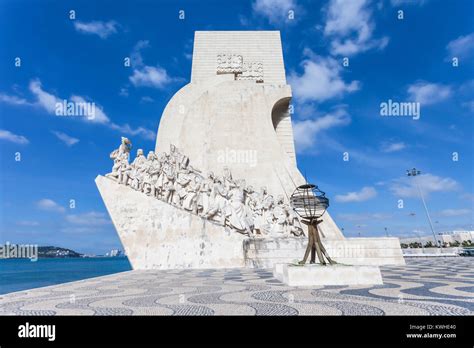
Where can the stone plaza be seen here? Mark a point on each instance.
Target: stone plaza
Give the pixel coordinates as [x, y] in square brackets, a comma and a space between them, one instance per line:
[424, 286]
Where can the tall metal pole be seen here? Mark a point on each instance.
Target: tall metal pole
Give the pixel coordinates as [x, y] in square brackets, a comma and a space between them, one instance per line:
[414, 173]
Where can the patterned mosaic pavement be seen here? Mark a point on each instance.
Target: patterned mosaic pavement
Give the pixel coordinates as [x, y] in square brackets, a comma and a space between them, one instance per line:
[432, 286]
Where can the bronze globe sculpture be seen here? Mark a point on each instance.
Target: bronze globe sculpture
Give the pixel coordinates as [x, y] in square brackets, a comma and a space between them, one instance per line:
[310, 203]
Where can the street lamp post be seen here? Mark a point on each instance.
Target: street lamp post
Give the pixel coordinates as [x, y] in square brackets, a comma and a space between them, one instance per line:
[418, 235]
[414, 173]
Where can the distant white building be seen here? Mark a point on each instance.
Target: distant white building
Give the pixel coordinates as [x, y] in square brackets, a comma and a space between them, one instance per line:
[114, 253]
[456, 236]
[443, 237]
[416, 239]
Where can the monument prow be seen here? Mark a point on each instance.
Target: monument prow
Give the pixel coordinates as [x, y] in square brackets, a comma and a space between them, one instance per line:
[219, 198]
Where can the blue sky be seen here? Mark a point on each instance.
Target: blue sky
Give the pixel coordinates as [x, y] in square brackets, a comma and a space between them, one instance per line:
[336, 107]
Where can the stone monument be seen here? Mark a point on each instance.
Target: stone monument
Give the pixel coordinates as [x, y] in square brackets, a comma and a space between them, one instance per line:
[215, 191]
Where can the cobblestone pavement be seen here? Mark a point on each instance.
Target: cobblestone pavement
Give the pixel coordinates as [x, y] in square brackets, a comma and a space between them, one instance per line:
[431, 286]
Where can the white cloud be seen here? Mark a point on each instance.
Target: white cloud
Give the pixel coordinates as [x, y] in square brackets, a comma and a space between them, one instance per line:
[89, 219]
[350, 27]
[462, 47]
[44, 99]
[150, 76]
[393, 147]
[99, 114]
[14, 138]
[102, 29]
[136, 57]
[66, 139]
[48, 102]
[364, 194]
[143, 132]
[454, 212]
[428, 93]
[321, 80]
[49, 205]
[145, 75]
[306, 132]
[276, 11]
[408, 2]
[146, 99]
[406, 186]
[12, 99]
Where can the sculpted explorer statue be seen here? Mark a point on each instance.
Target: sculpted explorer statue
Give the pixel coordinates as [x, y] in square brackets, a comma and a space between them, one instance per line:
[237, 213]
[183, 178]
[191, 198]
[205, 192]
[149, 173]
[168, 182]
[120, 155]
[218, 202]
[138, 170]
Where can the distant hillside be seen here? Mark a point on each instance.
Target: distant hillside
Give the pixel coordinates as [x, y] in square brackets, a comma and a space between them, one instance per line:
[52, 251]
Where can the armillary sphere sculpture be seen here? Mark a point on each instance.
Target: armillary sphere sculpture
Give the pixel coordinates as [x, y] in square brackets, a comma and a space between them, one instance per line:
[310, 203]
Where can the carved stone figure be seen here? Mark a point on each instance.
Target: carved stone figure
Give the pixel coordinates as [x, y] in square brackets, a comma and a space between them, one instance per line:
[237, 213]
[183, 178]
[218, 201]
[294, 223]
[147, 185]
[227, 179]
[280, 217]
[251, 199]
[190, 200]
[229, 202]
[258, 221]
[124, 171]
[266, 215]
[168, 182]
[120, 155]
[180, 160]
[138, 170]
[154, 172]
[205, 192]
[159, 183]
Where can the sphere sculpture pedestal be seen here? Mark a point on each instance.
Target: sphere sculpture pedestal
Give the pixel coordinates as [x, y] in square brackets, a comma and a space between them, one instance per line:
[310, 204]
